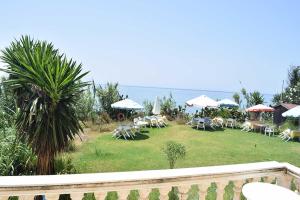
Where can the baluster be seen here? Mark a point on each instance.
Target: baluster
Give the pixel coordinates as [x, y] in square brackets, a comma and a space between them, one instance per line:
[52, 196]
[255, 179]
[26, 197]
[284, 181]
[164, 193]
[77, 196]
[144, 194]
[183, 191]
[220, 190]
[297, 183]
[203, 190]
[100, 195]
[270, 179]
[123, 194]
[237, 189]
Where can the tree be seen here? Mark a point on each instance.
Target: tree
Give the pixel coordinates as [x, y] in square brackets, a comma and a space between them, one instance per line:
[293, 76]
[173, 152]
[46, 86]
[256, 98]
[108, 95]
[86, 106]
[237, 98]
[252, 98]
[291, 93]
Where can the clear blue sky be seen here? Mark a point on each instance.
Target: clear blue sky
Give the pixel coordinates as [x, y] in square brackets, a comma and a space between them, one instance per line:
[182, 44]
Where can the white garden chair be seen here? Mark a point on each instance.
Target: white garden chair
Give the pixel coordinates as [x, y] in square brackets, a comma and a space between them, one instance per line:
[230, 123]
[285, 135]
[269, 130]
[247, 126]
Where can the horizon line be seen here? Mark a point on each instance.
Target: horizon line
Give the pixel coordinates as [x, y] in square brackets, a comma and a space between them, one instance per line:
[174, 88]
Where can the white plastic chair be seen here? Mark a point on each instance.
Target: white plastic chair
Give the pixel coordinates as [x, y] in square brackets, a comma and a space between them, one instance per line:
[286, 135]
[269, 130]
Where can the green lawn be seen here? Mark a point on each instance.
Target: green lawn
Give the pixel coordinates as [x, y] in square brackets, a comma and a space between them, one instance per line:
[204, 148]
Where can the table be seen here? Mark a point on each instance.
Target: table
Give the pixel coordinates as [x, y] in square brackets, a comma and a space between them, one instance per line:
[266, 191]
[260, 126]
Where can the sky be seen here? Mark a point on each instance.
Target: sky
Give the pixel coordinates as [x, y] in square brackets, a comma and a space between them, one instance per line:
[213, 45]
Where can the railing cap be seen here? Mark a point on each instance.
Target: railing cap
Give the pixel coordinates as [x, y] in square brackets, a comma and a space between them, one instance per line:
[21, 181]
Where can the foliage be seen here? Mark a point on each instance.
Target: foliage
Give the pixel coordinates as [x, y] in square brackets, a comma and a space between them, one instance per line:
[63, 165]
[46, 86]
[291, 93]
[225, 113]
[237, 98]
[104, 118]
[168, 105]
[173, 152]
[108, 95]
[15, 156]
[7, 105]
[181, 116]
[86, 105]
[293, 76]
[252, 98]
[148, 107]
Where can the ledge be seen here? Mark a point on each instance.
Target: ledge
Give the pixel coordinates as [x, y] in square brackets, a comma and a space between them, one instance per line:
[114, 177]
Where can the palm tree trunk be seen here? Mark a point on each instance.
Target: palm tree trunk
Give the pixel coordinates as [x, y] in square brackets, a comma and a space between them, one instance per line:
[45, 164]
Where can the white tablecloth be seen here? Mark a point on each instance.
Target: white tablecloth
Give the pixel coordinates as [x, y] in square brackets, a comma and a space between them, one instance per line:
[266, 191]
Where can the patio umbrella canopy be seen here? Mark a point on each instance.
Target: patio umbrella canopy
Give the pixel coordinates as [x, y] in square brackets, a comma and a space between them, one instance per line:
[156, 107]
[127, 104]
[260, 108]
[227, 103]
[202, 102]
[294, 112]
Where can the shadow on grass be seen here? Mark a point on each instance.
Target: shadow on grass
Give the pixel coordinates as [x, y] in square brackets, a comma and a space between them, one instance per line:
[138, 136]
[210, 129]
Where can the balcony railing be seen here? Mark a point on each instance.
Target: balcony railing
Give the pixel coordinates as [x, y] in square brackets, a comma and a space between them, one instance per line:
[26, 187]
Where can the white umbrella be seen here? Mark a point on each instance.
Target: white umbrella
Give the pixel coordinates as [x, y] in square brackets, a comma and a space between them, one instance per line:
[294, 112]
[227, 103]
[260, 108]
[202, 102]
[156, 107]
[127, 104]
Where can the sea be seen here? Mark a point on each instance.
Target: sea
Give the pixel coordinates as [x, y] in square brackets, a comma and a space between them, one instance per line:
[141, 94]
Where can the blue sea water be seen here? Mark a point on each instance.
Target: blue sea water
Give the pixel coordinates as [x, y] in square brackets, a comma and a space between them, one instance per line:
[140, 94]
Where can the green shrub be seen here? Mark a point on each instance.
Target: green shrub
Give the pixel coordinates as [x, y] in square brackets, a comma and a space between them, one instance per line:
[71, 147]
[173, 152]
[148, 107]
[16, 158]
[108, 95]
[63, 165]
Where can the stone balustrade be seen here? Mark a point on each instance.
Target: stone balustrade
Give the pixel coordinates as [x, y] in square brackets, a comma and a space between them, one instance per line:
[51, 187]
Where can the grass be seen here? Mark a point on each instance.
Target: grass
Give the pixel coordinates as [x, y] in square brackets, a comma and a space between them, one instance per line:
[102, 153]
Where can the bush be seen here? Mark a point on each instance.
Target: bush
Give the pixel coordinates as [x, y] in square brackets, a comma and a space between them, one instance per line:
[108, 95]
[71, 147]
[168, 107]
[182, 118]
[225, 113]
[85, 107]
[64, 165]
[173, 152]
[104, 118]
[148, 107]
[16, 158]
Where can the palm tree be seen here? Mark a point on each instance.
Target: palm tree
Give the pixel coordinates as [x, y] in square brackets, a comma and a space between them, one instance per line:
[46, 86]
[256, 98]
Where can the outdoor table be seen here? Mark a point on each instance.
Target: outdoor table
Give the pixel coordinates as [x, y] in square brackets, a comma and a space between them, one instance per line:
[142, 123]
[260, 126]
[264, 191]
